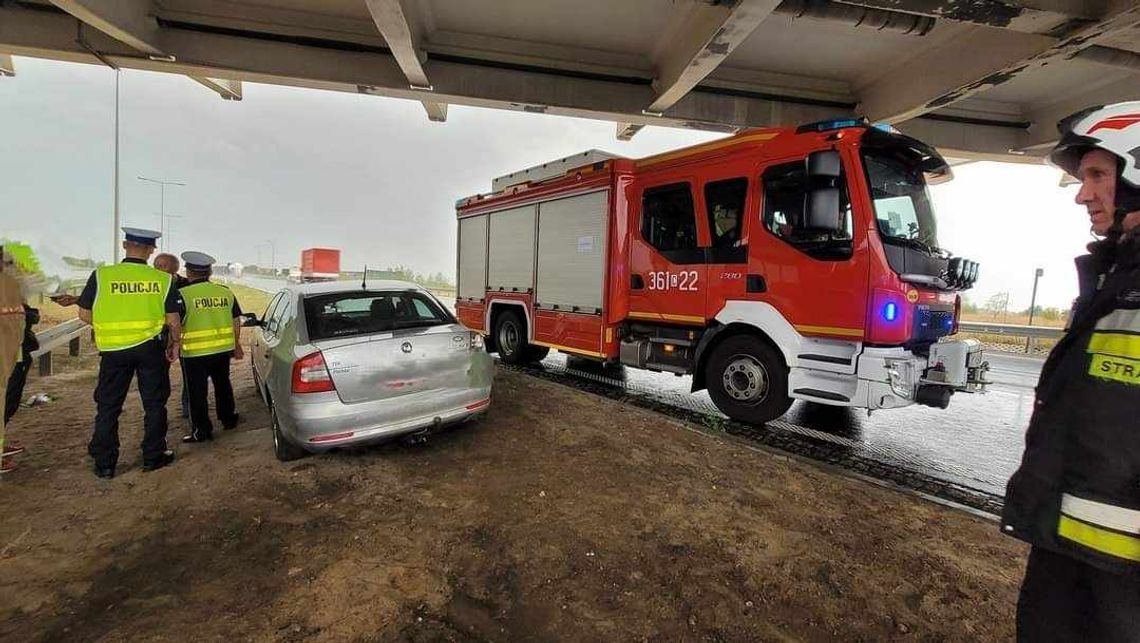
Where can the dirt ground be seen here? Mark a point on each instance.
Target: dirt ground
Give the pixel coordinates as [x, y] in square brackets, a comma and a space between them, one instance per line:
[560, 516]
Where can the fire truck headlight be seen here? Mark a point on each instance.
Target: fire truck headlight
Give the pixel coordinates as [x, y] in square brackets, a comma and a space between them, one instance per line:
[901, 378]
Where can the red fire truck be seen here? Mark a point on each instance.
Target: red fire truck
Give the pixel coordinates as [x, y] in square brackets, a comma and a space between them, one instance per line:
[778, 264]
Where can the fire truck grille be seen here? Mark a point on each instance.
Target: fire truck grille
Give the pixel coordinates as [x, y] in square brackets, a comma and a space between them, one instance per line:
[931, 324]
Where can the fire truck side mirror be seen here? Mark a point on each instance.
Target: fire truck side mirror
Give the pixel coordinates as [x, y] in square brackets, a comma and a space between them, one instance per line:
[824, 164]
[821, 209]
[821, 201]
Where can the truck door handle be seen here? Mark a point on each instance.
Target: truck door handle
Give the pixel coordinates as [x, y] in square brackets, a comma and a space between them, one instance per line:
[636, 283]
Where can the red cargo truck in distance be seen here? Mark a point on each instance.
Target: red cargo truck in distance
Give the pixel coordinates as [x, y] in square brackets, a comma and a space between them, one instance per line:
[778, 264]
[320, 264]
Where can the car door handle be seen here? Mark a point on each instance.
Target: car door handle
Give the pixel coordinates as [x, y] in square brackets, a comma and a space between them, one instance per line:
[636, 282]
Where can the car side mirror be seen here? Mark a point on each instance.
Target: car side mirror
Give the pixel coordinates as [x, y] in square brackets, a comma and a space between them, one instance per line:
[251, 320]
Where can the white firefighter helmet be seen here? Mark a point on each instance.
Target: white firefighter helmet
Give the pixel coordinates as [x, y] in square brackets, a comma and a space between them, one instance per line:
[1112, 128]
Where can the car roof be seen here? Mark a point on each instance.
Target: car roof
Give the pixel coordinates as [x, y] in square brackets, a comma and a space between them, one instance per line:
[332, 287]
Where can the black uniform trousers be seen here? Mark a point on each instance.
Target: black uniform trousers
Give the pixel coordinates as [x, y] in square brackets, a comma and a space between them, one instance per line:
[197, 372]
[1064, 599]
[116, 369]
[15, 390]
[185, 395]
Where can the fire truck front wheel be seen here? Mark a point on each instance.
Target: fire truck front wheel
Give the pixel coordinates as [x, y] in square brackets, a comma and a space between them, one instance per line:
[747, 380]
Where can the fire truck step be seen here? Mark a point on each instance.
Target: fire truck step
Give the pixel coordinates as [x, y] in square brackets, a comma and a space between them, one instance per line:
[823, 395]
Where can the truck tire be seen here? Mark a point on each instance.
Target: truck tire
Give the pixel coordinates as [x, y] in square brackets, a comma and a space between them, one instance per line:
[511, 338]
[747, 380]
[283, 449]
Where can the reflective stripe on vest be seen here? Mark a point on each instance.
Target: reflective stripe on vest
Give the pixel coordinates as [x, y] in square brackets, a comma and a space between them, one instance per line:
[130, 305]
[1105, 528]
[208, 327]
[1115, 347]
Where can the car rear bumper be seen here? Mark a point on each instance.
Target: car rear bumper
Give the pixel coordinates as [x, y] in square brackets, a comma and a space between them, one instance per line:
[319, 425]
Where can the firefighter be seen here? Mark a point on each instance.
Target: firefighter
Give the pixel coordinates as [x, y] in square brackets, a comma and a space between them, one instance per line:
[1076, 496]
[127, 304]
[210, 329]
[19, 377]
[11, 331]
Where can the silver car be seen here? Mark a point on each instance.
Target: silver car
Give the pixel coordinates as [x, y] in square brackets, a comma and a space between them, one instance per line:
[340, 365]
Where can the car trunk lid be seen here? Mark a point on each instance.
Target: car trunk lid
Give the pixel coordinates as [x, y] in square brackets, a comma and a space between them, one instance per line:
[387, 365]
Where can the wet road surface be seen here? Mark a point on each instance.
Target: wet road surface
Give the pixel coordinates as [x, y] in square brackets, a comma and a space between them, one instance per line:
[976, 443]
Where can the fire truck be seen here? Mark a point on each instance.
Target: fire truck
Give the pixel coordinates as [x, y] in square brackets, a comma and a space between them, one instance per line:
[773, 265]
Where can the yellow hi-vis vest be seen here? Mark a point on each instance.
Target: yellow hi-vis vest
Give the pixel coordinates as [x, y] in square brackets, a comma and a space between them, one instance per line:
[130, 305]
[208, 327]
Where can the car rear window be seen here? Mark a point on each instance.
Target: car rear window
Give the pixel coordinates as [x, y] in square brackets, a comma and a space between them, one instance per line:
[361, 313]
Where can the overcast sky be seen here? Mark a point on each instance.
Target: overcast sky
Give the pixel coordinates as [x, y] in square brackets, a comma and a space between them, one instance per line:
[374, 177]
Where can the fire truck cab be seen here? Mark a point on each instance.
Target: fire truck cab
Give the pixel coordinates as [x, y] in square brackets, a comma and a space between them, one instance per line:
[776, 264]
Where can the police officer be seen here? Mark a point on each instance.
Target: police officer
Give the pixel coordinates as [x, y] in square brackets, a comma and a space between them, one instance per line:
[168, 263]
[211, 327]
[1076, 496]
[127, 304]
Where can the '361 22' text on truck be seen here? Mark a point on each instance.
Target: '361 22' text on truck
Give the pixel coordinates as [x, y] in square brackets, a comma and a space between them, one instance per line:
[778, 264]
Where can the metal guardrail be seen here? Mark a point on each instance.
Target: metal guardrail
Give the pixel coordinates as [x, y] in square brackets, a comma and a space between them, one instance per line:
[69, 332]
[1013, 330]
[1013, 338]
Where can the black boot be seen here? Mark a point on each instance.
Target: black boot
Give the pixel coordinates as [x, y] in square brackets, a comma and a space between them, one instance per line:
[161, 461]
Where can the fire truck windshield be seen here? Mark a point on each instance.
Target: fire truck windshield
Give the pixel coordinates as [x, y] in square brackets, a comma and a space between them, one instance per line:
[903, 210]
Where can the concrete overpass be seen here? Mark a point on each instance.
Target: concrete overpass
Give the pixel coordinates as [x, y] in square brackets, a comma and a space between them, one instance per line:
[979, 79]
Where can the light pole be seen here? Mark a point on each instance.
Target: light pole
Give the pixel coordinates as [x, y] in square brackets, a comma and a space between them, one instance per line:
[1040, 272]
[166, 228]
[115, 233]
[272, 256]
[162, 200]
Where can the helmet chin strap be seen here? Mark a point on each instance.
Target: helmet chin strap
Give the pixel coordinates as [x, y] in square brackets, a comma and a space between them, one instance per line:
[1127, 201]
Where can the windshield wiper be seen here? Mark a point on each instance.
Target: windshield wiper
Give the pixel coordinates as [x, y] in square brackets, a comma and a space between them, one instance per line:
[911, 243]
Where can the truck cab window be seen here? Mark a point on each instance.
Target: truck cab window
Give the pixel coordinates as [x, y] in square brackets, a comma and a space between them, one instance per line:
[785, 187]
[668, 222]
[724, 202]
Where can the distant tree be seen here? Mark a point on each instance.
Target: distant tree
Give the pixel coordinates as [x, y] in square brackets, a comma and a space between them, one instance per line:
[998, 304]
[1045, 314]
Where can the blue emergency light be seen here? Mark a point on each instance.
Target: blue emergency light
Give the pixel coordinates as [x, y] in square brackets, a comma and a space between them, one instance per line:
[833, 124]
[891, 311]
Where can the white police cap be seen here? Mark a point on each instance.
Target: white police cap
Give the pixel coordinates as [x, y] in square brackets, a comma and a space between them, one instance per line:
[141, 236]
[197, 260]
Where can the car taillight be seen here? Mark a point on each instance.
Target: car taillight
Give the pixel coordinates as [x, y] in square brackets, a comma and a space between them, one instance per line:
[310, 375]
